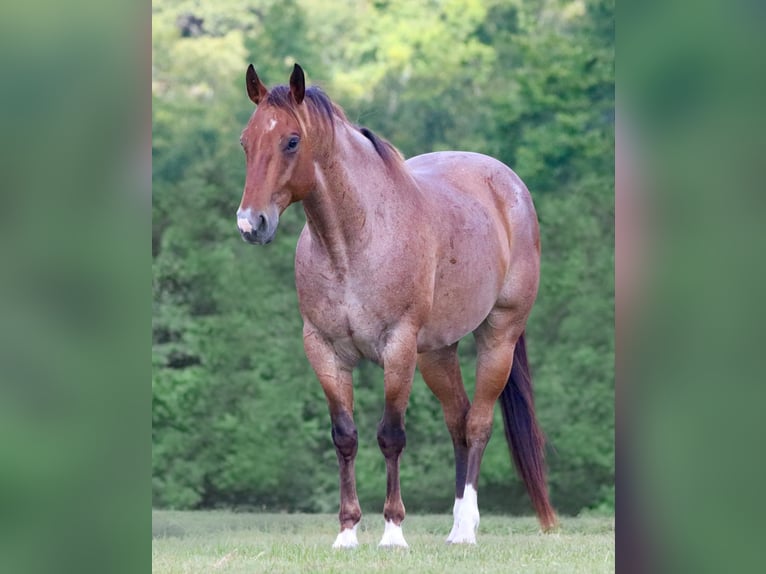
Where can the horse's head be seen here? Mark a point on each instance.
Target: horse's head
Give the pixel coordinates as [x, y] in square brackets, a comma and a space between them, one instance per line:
[279, 160]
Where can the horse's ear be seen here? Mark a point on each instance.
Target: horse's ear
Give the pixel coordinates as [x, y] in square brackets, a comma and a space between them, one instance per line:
[255, 88]
[297, 84]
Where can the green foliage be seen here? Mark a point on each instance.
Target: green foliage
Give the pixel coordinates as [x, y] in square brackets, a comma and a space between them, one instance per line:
[238, 417]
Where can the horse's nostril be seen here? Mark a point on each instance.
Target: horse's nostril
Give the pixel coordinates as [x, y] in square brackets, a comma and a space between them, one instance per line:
[262, 223]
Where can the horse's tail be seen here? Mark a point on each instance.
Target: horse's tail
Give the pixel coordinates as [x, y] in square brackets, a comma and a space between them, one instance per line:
[525, 439]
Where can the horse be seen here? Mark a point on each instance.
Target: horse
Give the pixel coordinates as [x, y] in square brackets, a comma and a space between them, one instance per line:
[397, 261]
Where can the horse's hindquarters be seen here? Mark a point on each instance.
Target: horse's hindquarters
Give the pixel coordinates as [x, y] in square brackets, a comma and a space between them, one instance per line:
[486, 243]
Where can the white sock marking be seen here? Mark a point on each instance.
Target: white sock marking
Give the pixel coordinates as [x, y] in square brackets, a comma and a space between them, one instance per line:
[466, 515]
[346, 538]
[393, 536]
[455, 512]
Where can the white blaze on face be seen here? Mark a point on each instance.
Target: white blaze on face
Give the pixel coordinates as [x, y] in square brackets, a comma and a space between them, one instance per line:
[393, 536]
[347, 538]
[272, 124]
[466, 513]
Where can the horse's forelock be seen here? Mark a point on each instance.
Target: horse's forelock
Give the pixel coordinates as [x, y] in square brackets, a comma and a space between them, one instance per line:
[320, 104]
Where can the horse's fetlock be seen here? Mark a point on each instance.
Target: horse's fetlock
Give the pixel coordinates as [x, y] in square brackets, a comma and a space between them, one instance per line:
[394, 512]
[349, 515]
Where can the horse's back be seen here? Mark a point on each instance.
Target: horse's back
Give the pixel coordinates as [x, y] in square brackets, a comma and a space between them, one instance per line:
[478, 175]
[450, 176]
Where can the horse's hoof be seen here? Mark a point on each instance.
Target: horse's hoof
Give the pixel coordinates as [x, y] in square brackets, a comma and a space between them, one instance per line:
[462, 540]
[393, 536]
[346, 539]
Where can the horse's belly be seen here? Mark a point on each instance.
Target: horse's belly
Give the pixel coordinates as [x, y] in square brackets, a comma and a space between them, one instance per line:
[466, 288]
[457, 310]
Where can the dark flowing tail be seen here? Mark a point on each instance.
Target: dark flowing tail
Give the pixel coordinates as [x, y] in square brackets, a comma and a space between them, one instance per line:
[525, 439]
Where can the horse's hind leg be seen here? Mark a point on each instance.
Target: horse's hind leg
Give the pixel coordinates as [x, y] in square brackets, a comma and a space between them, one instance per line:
[338, 388]
[441, 372]
[495, 342]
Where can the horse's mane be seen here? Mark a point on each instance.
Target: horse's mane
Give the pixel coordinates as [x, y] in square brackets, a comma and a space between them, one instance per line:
[321, 105]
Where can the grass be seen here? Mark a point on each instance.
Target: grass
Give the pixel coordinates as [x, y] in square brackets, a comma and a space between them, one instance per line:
[229, 542]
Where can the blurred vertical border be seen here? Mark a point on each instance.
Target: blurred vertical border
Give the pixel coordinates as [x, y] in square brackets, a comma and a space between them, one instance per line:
[75, 287]
[690, 283]
[75, 216]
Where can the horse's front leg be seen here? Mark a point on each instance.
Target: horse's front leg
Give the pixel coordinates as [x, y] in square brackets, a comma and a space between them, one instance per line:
[399, 358]
[336, 380]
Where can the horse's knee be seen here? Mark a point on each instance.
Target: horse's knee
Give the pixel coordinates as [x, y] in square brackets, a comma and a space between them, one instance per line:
[391, 439]
[344, 436]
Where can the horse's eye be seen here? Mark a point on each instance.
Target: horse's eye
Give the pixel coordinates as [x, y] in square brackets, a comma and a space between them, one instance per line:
[292, 144]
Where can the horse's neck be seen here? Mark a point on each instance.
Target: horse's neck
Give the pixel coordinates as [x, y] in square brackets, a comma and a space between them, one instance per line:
[356, 200]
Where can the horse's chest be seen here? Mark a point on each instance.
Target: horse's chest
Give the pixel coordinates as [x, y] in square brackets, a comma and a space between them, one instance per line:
[349, 314]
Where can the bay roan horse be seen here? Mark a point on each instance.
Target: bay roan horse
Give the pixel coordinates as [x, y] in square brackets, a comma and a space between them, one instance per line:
[398, 260]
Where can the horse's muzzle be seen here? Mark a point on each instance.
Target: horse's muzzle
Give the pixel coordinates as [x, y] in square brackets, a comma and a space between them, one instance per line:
[255, 228]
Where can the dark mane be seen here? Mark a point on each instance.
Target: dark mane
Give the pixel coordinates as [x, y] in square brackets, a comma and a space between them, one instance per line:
[320, 104]
[385, 149]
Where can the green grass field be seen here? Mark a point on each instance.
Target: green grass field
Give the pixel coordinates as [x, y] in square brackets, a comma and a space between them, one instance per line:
[244, 542]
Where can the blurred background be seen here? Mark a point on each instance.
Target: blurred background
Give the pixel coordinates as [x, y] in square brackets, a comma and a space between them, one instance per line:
[238, 418]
